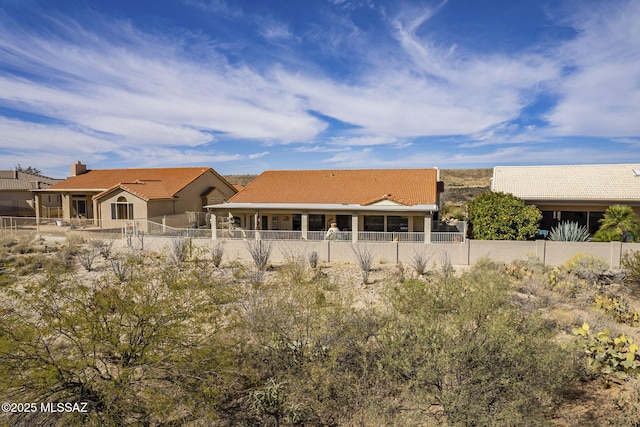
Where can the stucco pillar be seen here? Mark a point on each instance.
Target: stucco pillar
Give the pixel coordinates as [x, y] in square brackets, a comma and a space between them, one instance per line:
[427, 228]
[37, 203]
[67, 206]
[305, 225]
[256, 225]
[214, 225]
[96, 213]
[354, 227]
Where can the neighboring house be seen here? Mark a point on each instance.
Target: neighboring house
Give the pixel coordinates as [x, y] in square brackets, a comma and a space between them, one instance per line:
[17, 197]
[304, 203]
[109, 196]
[579, 193]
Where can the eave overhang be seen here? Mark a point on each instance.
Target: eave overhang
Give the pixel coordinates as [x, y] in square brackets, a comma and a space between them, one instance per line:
[322, 207]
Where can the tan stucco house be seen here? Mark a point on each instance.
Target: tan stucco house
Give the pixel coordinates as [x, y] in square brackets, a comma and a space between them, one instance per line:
[579, 193]
[366, 204]
[108, 196]
[17, 194]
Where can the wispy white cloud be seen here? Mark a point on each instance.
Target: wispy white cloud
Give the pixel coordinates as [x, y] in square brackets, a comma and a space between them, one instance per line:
[275, 31]
[600, 95]
[218, 7]
[367, 140]
[319, 149]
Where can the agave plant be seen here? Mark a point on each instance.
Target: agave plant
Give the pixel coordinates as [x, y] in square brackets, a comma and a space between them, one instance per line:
[568, 231]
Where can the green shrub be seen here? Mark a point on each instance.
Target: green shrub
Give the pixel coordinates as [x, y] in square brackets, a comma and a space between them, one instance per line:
[462, 344]
[631, 266]
[502, 216]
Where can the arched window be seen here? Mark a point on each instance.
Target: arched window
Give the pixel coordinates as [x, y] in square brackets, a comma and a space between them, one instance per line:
[122, 209]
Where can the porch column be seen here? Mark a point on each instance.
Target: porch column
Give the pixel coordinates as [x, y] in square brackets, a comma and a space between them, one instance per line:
[214, 225]
[256, 224]
[427, 228]
[37, 205]
[67, 206]
[96, 213]
[354, 227]
[305, 225]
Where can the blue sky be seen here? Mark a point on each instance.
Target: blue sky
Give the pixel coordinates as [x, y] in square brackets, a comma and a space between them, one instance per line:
[249, 85]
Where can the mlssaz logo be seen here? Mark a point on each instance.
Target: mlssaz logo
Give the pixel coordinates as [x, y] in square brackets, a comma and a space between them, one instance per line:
[64, 407]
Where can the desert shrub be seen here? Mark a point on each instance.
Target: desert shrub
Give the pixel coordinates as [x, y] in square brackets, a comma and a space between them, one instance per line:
[103, 246]
[7, 241]
[269, 403]
[631, 267]
[217, 252]
[294, 268]
[310, 350]
[608, 356]
[568, 231]
[260, 252]
[618, 308]
[123, 266]
[588, 267]
[444, 261]
[30, 264]
[133, 353]
[179, 250]
[471, 353]
[419, 262]
[254, 276]
[87, 255]
[74, 242]
[364, 260]
[65, 255]
[313, 259]
[399, 272]
[561, 281]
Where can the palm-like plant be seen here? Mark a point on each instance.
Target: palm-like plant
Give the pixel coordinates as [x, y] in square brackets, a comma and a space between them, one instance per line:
[620, 223]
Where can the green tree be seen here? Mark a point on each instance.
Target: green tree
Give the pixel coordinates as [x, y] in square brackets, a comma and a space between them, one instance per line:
[133, 351]
[619, 223]
[502, 216]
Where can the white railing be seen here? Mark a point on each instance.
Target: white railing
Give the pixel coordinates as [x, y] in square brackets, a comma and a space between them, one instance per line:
[447, 237]
[127, 227]
[236, 234]
[280, 235]
[380, 236]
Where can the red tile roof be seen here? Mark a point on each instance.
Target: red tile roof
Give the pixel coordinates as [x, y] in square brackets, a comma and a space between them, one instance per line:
[361, 186]
[148, 183]
[146, 190]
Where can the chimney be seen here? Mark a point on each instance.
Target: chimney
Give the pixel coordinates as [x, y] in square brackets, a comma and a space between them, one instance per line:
[78, 168]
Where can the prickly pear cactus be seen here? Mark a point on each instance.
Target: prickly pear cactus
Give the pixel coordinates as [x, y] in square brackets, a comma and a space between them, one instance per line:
[616, 357]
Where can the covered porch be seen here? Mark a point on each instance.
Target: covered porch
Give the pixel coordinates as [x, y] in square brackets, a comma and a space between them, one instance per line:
[310, 222]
